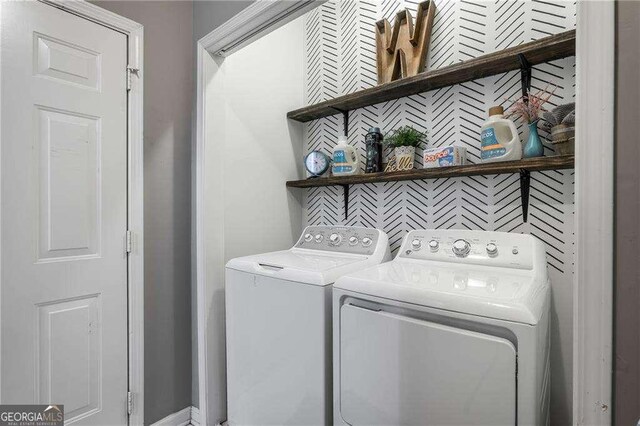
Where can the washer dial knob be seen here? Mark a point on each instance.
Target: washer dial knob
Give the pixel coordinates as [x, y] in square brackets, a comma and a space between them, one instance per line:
[308, 237]
[416, 244]
[434, 245]
[492, 250]
[335, 239]
[366, 241]
[353, 240]
[461, 248]
[319, 238]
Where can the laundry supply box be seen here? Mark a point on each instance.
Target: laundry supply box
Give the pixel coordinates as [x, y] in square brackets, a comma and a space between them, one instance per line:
[444, 157]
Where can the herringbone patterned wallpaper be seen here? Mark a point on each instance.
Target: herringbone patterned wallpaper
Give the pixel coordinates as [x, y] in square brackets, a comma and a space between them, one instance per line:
[340, 44]
[340, 58]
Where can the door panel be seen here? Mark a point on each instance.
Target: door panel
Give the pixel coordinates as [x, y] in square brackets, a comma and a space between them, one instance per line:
[69, 181]
[66, 62]
[69, 354]
[63, 164]
[397, 370]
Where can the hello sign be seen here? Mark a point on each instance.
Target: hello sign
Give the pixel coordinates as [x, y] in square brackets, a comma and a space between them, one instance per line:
[404, 163]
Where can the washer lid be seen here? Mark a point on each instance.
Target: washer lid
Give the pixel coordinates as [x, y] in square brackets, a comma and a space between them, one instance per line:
[306, 266]
[500, 293]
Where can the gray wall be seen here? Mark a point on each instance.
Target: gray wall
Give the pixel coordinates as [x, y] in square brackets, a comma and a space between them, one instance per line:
[207, 16]
[168, 61]
[627, 227]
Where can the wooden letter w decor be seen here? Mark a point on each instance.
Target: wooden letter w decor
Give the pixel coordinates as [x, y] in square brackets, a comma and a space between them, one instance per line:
[402, 51]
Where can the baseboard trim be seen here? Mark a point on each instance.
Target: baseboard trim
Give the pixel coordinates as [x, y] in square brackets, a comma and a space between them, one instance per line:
[195, 416]
[179, 418]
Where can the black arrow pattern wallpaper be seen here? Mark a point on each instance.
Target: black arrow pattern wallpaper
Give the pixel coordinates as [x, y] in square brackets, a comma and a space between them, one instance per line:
[340, 59]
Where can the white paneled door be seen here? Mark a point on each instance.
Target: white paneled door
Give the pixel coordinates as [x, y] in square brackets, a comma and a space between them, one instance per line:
[63, 165]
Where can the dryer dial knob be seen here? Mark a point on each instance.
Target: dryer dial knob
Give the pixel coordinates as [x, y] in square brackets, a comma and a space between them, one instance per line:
[366, 241]
[492, 250]
[461, 248]
[434, 245]
[308, 237]
[353, 241]
[335, 239]
[319, 238]
[416, 244]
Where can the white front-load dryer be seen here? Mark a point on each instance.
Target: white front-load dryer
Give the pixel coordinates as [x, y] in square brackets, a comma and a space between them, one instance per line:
[278, 325]
[453, 331]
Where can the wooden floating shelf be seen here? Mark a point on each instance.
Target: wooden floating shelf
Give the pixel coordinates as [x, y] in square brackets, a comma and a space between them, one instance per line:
[543, 50]
[529, 165]
[523, 167]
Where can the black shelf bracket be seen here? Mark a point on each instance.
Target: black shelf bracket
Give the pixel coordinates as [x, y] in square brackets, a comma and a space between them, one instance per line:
[345, 189]
[525, 175]
[345, 120]
[525, 183]
[525, 76]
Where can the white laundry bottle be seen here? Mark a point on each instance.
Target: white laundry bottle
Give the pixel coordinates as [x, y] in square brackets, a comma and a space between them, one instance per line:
[499, 138]
[345, 159]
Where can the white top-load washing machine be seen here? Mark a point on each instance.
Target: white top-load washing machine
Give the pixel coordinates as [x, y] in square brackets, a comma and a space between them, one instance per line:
[453, 331]
[278, 319]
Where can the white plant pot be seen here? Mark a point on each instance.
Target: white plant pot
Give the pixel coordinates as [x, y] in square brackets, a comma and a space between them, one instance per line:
[405, 155]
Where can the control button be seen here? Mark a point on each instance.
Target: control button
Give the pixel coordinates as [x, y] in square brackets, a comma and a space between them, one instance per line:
[353, 241]
[366, 241]
[492, 250]
[335, 239]
[461, 248]
[319, 238]
[434, 245]
[514, 251]
[416, 244]
[308, 237]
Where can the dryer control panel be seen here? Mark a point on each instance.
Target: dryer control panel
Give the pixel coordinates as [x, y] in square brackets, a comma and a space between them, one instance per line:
[501, 249]
[345, 239]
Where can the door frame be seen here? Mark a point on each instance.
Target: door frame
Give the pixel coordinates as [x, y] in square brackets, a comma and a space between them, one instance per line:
[135, 219]
[255, 21]
[594, 220]
[594, 172]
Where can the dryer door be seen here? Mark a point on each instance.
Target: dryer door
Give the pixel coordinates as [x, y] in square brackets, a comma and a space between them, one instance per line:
[397, 370]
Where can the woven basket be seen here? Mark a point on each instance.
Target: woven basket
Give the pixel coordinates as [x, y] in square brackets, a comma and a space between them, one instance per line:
[563, 139]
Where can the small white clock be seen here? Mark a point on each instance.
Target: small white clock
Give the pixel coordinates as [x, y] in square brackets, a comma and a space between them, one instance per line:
[317, 163]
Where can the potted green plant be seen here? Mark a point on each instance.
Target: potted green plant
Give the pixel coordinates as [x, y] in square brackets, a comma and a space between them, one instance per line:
[404, 142]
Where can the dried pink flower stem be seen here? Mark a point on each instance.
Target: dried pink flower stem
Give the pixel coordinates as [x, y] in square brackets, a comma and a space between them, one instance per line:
[528, 108]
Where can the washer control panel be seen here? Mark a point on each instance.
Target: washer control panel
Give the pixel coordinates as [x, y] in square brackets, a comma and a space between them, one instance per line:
[346, 239]
[474, 247]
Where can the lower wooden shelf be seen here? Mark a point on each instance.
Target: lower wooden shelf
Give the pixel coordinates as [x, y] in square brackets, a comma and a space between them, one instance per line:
[523, 167]
[528, 164]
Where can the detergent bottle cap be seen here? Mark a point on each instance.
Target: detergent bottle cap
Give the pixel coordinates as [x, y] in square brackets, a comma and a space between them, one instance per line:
[496, 110]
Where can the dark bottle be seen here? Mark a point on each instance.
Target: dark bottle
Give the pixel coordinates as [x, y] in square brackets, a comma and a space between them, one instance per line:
[373, 142]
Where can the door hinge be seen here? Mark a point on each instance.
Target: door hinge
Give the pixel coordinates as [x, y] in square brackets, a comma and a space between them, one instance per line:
[129, 242]
[129, 403]
[130, 70]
